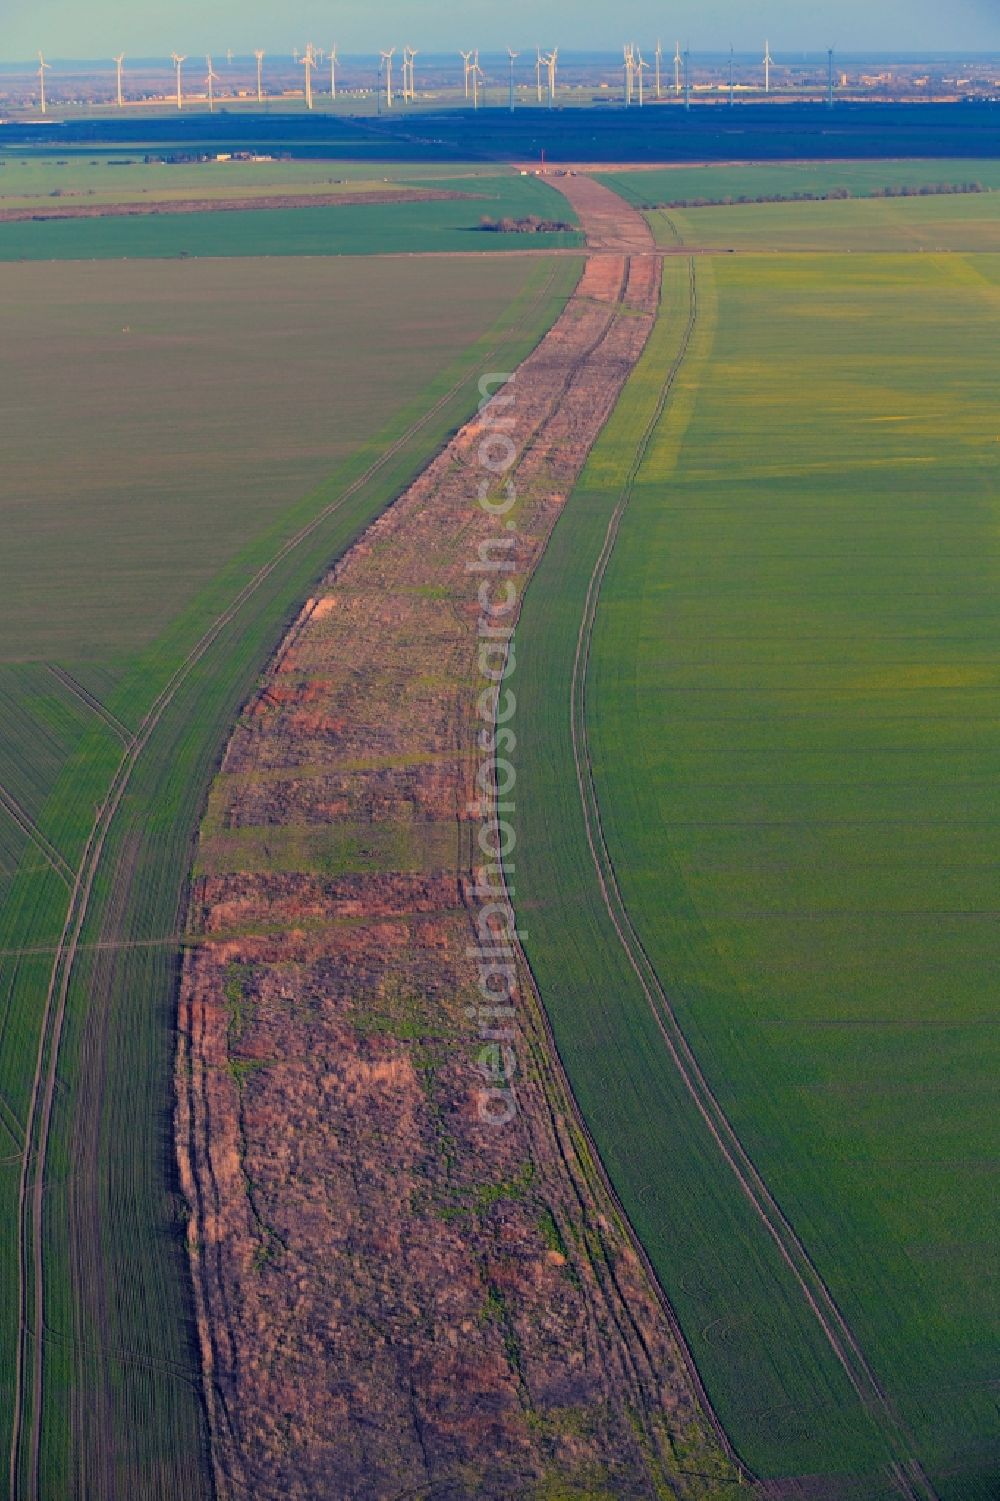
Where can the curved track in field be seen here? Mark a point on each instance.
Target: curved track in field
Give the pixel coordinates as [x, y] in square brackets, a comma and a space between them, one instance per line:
[567, 390]
[26, 1428]
[907, 1471]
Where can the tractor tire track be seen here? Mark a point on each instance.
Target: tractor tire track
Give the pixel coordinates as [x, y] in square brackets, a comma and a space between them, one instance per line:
[32, 1184]
[219, 1324]
[27, 825]
[909, 1476]
[94, 704]
[549, 1061]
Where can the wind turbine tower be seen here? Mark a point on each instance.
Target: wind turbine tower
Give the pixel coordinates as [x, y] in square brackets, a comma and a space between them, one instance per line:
[478, 77]
[510, 87]
[467, 60]
[687, 77]
[659, 68]
[259, 55]
[629, 56]
[409, 81]
[178, 63]
[211, 79]
[333, 72]
[309, 62]
[119, 63]
[387, 59]
[768, 60]
[639, 67]
[732, 82]
[43, 67]
[550, 63]
[538, 73]
[677, 69]
[829, 78]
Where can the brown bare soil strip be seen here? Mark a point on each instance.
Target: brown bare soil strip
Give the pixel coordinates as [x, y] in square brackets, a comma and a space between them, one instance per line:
[394, 1297]
[224, 205]
[600, 211]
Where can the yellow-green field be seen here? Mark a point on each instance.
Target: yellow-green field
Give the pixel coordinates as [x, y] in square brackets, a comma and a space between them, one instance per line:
[763, 920]
[858, 226]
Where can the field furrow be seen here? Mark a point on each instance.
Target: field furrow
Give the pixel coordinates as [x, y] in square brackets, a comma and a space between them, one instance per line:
[723, 809]
[89, 1367]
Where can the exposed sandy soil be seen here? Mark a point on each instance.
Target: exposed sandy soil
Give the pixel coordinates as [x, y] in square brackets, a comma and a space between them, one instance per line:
[222, 205]
[600, 211]
[395, 1297]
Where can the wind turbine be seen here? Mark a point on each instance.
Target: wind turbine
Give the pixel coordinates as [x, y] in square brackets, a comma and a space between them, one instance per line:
[387, 59]
[538, 73]
[119, 63]
[308, 62]
[511, 55]
[478, 77]
[829, 78]
[467, 60]
[768, 59]
[409, 80]
[211, 79]
[677, 69]
[229, 56]
[732, 85]
[639, 66]
[178, 63]
[629, 56]
[687, 77]
[551, 64]
[260, 55]
[43, 66]
[659, 68]
[333, 72]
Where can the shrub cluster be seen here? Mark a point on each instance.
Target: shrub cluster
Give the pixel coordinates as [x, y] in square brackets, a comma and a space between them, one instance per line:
[893, 190]
[928, 190]
[527, 226]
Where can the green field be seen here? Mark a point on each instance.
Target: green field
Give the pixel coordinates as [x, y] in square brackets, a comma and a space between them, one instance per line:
[177, 490]
[961, 222]
[155, 392]
[338, 230]
[790, 707]
[101, 175]
[676, 184]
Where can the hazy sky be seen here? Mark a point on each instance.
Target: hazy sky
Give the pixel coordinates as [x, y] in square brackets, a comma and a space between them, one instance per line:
[66, 28]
